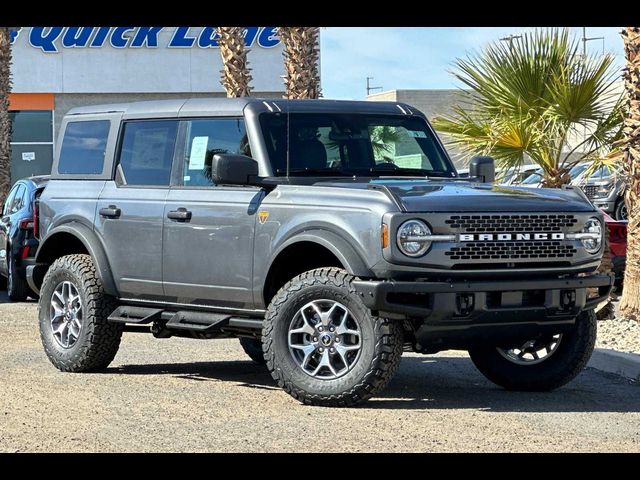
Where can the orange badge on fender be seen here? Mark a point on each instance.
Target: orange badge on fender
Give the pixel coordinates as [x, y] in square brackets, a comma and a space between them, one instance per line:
[262, 216]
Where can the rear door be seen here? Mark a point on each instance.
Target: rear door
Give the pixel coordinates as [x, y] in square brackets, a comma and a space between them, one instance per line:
[208, 254]
[131, 207]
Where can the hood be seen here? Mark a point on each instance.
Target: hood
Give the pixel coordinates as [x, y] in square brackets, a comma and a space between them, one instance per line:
[460, 196]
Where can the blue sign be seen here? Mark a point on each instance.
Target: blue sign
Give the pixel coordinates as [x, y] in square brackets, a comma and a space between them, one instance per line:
[52, 39]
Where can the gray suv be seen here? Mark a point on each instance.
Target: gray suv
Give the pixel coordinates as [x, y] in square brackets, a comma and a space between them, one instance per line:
[329, 236]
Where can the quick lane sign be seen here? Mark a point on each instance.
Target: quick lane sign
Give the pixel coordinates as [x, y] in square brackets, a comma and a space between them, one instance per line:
[52, 39]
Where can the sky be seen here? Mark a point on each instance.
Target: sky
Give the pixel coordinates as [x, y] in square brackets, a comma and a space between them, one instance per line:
[417, 58]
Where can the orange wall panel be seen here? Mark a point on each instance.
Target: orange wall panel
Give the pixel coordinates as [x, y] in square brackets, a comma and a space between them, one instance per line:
[31, 101]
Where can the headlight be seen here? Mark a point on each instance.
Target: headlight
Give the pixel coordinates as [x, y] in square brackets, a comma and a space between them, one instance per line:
[603, 191]
[411, 238]
[593, 240]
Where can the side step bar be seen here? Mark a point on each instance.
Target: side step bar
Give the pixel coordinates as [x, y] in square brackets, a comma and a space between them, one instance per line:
[135, 317]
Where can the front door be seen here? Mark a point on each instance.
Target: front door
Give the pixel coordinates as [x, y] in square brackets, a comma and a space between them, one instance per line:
[131, 208]
[209, 229]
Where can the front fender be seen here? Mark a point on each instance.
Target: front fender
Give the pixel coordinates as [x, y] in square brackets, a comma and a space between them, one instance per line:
[336, 244]
[49, 247]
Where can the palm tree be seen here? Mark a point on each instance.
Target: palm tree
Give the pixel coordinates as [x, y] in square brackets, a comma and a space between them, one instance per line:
[630, 147]
[5, 123]
[236, 78]
[528, 99]
[301, 58]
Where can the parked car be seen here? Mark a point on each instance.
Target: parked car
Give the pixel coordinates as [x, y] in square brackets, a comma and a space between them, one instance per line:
[618, 247]
[514, 175]
[276, 221]
[19, 236]
[604, 187]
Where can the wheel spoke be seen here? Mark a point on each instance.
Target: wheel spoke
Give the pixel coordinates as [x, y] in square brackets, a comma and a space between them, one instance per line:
[328, 356]
[65, 314]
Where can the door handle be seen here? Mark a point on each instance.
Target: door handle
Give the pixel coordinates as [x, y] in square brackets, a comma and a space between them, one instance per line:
[110, 212]
[181, 215]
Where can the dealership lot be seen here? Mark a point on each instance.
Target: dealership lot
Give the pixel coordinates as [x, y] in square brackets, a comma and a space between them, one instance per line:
[189, 395]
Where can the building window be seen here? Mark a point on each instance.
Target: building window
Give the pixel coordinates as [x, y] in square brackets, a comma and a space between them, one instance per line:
[31, 143]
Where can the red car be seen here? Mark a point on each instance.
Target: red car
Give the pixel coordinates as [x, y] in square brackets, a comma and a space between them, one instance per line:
[618, 246]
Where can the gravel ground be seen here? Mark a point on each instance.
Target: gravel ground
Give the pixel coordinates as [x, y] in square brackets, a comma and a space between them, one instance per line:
[619, 334]
[189, 395]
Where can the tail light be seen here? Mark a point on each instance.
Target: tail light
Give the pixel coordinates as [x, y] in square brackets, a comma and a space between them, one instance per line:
[26, 224]
[36, 217]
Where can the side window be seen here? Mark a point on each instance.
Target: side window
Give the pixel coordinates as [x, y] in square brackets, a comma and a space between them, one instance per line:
[17, 204]
[204, 139]
[9, 201]
[83, 147]
[147, 151]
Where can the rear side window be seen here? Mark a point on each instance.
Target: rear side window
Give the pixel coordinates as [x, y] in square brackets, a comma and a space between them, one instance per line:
[83, 147]
[147, 150]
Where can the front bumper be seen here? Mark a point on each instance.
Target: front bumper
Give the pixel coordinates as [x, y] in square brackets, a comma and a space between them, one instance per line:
[458, 313]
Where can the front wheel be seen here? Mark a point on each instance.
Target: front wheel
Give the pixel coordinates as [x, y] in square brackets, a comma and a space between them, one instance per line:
[541, 364]
[620, 212]
[323, 346]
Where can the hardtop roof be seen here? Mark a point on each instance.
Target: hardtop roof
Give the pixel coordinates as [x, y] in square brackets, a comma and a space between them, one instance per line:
[236, 106]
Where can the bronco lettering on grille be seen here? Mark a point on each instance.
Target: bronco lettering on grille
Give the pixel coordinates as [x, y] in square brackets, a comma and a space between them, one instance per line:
[524, 237]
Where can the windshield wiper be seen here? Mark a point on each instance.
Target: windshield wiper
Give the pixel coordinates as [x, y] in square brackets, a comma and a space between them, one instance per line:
[315, 171]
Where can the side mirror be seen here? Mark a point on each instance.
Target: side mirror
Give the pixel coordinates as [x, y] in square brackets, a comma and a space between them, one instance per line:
[483, 168]
[231, 169]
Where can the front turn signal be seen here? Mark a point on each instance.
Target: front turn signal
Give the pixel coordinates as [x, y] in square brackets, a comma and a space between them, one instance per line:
[384, 235]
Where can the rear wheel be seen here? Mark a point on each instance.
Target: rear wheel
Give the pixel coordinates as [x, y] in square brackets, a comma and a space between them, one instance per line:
[322, 344]
[540, 364]
[73, 311]
[17, 287]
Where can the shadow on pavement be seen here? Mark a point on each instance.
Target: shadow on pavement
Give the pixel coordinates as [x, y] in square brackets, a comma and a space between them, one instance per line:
[433, 383]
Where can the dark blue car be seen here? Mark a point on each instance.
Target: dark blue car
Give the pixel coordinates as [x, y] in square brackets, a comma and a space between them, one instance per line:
[19, 236]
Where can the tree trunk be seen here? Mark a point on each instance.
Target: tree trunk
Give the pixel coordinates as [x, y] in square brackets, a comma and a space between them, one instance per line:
[235, 76]
[630, 303]
[556, 178]
[5, 124]
[301, 58]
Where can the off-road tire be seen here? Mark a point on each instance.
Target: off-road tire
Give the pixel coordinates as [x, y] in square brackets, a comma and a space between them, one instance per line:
[253, 348]
[379, 359]
[99, 340]
[17, 288]
[560, 368]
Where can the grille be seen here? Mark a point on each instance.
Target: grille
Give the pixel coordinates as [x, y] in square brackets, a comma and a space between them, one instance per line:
[511, 223]
[511, 251]
[589, 190]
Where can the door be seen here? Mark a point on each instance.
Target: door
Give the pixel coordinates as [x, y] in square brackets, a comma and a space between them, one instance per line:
[11, 206]
[209, 229]
[131, 207]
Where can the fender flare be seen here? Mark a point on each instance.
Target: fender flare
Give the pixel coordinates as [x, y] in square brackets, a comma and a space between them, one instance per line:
[92, 244]
[347, 255]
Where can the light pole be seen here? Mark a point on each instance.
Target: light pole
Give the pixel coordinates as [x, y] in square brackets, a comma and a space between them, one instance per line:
[369, 87]
[510, 39]
[586, 39]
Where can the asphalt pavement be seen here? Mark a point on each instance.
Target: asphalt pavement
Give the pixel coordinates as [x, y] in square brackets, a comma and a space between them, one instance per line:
[197, 395]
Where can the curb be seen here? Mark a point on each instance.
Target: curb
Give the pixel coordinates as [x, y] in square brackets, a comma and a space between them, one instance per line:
[623, 364]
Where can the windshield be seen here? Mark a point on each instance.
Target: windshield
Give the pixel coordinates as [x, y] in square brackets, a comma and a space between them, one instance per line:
[352, 144]
[535, 177]
[577, 170]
